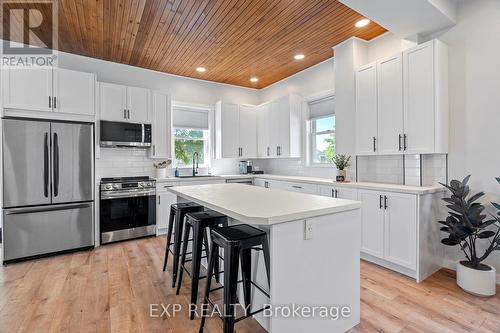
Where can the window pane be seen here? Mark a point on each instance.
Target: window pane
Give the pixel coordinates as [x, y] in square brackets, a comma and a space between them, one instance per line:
[325, 124]
[324, 149]
[187, 142]
[188, 133]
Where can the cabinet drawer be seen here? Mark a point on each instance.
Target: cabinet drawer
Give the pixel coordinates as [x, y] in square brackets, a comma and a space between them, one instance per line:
[301, 187]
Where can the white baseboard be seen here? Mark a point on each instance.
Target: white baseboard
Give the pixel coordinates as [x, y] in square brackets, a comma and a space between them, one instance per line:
[450, 264]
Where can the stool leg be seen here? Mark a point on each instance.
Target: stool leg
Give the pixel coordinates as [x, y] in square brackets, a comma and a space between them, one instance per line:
[179, 225]
[246, 274]
[169, 236]
[198, 233]
[209, 250]
[214, 251]
[231, 256]
[185, 242]
[267, 258]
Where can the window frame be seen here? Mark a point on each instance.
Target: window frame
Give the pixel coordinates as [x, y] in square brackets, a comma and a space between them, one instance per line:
[312, 140]
[206, 148]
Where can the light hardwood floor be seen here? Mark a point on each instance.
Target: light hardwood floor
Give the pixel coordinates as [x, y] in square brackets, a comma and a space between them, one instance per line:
[110, 289]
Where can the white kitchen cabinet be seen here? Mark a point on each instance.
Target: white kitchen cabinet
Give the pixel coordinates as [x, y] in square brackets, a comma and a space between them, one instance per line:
[263, 130]
[138, 105]
[338, 192]
[372, 222]
[389, 226]
[236, 130]
[390, 105]
[248, 131]
[164, 199]
[402, 102]
[122, 103]
[285, 128]
[425, 79]
[113, 101]
[73, 92]
[27, 89]
[366, 109]
[299, 187]
[400, 229]
[161, 115]
[259, 182]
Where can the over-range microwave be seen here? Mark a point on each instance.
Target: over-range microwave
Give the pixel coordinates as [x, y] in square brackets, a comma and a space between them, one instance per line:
[121, 134]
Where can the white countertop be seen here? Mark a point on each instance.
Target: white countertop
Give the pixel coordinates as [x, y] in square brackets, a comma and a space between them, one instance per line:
[262, 206]
[358, 185]
[198, 178]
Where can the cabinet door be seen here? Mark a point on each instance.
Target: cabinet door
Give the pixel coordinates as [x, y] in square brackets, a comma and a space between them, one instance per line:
[280, 122]
[113, 101]
[259, 182]
[327, 191]
[138, 104]
[230, 136]
[162, 126]
[27, 89]
[74, 92]
[163, 202]
[401, 229]
[366, 109]
[372, 223]
[248, 131]
[263, 131]
[418, 64]
[347, 193]
[390, 105]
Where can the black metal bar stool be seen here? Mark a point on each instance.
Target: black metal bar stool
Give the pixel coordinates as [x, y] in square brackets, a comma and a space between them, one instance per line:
[201, 223]
[177, 213]
[237, 241]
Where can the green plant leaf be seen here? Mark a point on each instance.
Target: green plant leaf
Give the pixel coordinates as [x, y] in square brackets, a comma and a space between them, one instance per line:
[445, 229]
[487, 223]
[486, 234]
[466, 180]
[475, 197]
[498, 179]
[496, 205]
[450, 242]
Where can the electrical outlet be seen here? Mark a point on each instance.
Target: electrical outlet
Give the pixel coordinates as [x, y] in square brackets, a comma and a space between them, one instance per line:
[308, 229]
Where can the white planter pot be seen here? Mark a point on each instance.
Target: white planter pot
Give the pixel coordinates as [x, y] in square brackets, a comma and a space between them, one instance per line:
[477, 282]
[341, 176]
[161, 173]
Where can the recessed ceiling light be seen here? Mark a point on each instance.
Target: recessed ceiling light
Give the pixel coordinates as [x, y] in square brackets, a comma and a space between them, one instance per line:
[361, 23]
[201, 69]
[299, 56]
[254, 79]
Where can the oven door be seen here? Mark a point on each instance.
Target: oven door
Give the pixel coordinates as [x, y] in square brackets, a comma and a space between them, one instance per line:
[127, 215]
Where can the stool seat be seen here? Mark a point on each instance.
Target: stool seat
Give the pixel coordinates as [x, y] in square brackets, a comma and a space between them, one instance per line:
[237, 232]
[184, 205]
[205, 217]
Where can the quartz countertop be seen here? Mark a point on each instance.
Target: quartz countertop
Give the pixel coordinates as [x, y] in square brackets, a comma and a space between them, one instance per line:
[262, 206]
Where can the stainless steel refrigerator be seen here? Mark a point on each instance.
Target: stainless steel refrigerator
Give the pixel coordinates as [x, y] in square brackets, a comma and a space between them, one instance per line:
[48, 193]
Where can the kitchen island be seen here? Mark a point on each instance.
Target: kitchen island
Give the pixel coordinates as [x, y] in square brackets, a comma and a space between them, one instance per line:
[315, 253]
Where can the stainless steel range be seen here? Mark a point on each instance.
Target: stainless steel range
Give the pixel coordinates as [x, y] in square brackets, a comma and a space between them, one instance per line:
[127, 208]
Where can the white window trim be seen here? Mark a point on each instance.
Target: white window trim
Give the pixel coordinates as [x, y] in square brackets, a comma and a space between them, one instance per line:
[211, 135]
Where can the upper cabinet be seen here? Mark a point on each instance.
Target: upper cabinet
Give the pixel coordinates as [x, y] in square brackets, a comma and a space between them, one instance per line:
[161, 115]
[402, 102]
[236, 130]
[48, 90]
[269, 130]
[122, 103]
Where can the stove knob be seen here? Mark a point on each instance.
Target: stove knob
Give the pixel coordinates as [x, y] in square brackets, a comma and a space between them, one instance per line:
[141, 184]
[108, 187]
[116, 186]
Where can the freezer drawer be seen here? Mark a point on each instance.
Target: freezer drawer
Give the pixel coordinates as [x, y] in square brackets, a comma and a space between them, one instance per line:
[42, 230]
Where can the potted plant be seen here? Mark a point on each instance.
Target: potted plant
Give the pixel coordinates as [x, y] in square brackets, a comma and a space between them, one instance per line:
[466, 226]
[342, 162]
[161, 168]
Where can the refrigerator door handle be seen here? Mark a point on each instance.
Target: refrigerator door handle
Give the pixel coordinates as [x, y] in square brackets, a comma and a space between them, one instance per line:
[55, 164]
[46, 165]
[17, 211]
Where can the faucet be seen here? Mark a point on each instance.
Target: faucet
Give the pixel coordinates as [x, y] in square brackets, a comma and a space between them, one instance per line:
[195, 157]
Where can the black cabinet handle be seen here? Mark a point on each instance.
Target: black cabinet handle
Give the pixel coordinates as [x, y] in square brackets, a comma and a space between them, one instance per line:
[374, 144]
[336, 193]
[55, 102]
[405, 143]
[385, 202]
[50, 101]
[380, 202]
[267, 151]
[295, 186]
[124, 113]
[333, 193]
[399, 142]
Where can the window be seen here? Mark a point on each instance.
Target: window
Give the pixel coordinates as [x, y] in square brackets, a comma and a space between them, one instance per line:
[323, 139]
[191, 135]
[187, 142]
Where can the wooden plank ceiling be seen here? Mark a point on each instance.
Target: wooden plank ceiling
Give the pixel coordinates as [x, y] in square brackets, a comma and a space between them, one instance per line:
[233, 39]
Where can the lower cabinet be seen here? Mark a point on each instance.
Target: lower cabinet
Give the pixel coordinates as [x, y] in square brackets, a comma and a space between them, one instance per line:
[389, 226]
[338, 192]
[164, 199]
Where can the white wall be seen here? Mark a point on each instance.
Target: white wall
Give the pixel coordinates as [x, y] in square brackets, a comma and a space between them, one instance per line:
[474, 53]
